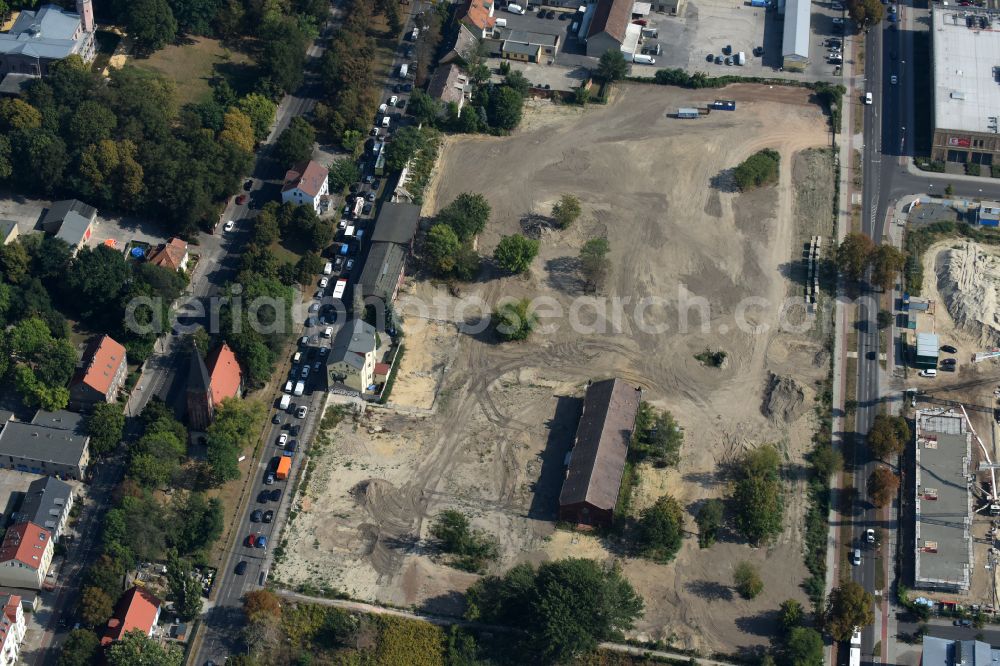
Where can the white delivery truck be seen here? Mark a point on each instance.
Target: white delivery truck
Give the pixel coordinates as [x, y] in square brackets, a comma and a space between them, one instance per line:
[286, 401]
[741, 58]
[300, 388]
[349, 231]
[403, 70]
[644, 60]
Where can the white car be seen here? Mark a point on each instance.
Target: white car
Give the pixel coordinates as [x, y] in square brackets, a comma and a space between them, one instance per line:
[928, 373]
[838, 21]
[870, 535]
[393, 100]
[301, 412]
[323, 282]
[893, 80]
[328, 333]
[856, 557]
[229, 226]
[314, 307]
[282, 439]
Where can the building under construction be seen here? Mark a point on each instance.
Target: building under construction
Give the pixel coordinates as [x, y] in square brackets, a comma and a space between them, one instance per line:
[943, 503]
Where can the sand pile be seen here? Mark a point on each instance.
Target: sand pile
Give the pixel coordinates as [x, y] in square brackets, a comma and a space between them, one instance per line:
[783, 399]
[967, 279]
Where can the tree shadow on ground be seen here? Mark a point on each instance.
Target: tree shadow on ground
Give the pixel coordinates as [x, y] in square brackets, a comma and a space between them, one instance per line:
[710, 590]
[724, 181]
[564, 275]
[762, 624]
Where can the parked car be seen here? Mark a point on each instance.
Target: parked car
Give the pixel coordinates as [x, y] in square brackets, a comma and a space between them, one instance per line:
[261, 541]
[241, 567]
[228, 226]
[268, 516]
[251, 540]
[962, 623]
[948, 361]
[407, 87]
[856, 557]
[276, 494]
[350, 264]
[371, 196]
[931, 372]
[269, 479]
[718, 60]
[256, 515]
[323, 282]
[276, 419]
[948, 349]
[282, 439]
[263, 496]
[893, 80]
[710, 58]
[305, 371]
[870, 535]
[366, 209]
[393, 100]
[838, 21]
[242, 199]
[301, 412]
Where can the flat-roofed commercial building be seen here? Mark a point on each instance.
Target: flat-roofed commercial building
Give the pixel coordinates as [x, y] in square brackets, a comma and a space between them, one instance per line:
[966, 70]
[795, 37]
[943, 502]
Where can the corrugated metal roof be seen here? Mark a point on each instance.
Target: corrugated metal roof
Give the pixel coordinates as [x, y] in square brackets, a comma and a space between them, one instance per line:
[795, 40]
[927, 344]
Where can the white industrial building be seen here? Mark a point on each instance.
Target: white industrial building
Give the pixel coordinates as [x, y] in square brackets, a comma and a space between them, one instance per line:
[795, 38]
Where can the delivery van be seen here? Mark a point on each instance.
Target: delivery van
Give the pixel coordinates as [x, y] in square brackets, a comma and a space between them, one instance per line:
[644, 60]
[501, 23]
[300, 388]
[286, 401]
[515, 9]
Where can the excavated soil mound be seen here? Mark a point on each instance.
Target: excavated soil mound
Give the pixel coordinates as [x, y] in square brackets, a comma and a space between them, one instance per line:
[783, 399]
[967, 278]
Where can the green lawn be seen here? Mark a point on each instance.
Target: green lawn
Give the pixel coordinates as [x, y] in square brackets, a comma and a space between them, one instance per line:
[193, 65]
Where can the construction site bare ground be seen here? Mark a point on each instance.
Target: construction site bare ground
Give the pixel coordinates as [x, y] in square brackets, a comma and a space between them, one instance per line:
[484, 427]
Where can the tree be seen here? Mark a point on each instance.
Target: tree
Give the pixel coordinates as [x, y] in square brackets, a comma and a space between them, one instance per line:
[238, 131]
[660, 530]
[516, 80]
[826, 461]
[612, 66]
[261, 603]
[804, 647]
[887, 262]
[467, 215]
[515, 253]
[261, 112]
[848, 606]
[566, 210]
[581, 94]
[883, 319]
[883, 485]
[95, 607]
[515, 320]
[90, 123]
[505, 108]
[792, 614]
[758, 170]
[866, 12]
[472, 548]
[105, 425]
[566, 607]
[423, 107]
[709, 520]
[757, 496]
[657, 436]
[855, 254]
[747, 580]
[15, 114]
[234, 426]
[138, 648]
[185, 589]
[594, 262]
[80, 648]
[295, 144]
[441, 248]
[265, 228]
[342, 174]
[196, 16]
[151, 24]
[888, 436]
[405, 144]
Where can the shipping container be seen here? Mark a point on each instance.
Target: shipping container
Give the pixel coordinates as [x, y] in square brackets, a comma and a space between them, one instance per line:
[687, 113]
[758, 3]
[284, 467]
[724, 105]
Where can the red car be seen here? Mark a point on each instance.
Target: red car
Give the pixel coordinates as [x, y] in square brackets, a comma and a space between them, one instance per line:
[641, 22]
[251, 540]
[242, 199]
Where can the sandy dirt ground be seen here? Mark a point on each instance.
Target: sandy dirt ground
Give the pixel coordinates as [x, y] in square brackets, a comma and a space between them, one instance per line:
[503, 417]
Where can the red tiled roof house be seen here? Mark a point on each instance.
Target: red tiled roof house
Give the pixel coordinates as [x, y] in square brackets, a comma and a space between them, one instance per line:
[137, 610]
[226, 377]
[172, 255]
[25, 556]
[305, 184]
[477, 16]
[102, 374]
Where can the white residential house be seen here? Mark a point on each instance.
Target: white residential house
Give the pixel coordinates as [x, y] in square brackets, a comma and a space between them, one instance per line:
[12, 628]
[305, 184]
[25, 556]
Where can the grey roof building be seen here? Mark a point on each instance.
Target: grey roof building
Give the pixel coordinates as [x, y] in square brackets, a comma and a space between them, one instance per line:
[54, 443]
[47, 503]
[352, 359]
[795, 38]
[13, 85]
[383, 271]
[943, 503]
[39, 38]
[396, 223]
[597, 461]
[70, 220]
[8, 231]
[449, 85]
[946, 652]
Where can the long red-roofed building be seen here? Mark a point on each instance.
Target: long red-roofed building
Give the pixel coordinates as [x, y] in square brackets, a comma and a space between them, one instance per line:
[137, 609]
[102, 374]
[226, 377]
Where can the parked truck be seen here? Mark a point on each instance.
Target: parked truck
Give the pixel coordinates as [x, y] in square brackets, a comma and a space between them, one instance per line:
[339, 288]
[284, 467]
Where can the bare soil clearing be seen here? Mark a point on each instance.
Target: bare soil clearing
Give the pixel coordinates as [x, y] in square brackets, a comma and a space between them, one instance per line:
[504, 415]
